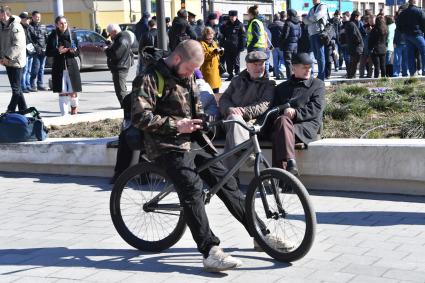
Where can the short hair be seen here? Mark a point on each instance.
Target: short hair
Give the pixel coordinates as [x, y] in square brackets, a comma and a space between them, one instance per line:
[207, 31]
[113, 27]
[346, 13]
[389, 19]
[6, 10]
[354, 15]
[182, 13]
[152, 23]
[35, 13]
[189, 50]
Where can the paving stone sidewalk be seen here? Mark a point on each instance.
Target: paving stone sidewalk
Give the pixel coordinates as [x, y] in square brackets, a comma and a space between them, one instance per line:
[58, 229]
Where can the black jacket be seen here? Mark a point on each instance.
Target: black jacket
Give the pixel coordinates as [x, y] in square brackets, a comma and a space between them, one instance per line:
[38, 33]
[119, 55]
[233, 36]
[62, 61]
[377, 42]
[276, 29]
[304, 41]
[141, 28]
[180, 31]
[353, 38]
[149, 39]
[291, 34]
[411, 21]
[307, 97]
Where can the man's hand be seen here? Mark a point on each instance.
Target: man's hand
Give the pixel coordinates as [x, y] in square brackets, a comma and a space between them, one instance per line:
[187, 126]
[63, 49]
[236, 111]
[290, 112]
[4, 61]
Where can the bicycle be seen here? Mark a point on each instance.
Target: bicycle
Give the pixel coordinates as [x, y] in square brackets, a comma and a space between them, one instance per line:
[146, 212]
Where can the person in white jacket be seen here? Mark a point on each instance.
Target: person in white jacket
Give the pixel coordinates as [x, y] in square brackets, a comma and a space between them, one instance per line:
[13, 55]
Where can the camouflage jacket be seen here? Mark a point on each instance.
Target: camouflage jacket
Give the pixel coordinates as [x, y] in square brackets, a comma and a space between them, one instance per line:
[156, 113]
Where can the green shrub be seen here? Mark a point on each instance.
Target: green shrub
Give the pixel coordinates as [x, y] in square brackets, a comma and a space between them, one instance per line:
[411, 81]
[337, 112]
[360, 108]
[356, 90]
[414, 127]
[343, 98]
[406, 89]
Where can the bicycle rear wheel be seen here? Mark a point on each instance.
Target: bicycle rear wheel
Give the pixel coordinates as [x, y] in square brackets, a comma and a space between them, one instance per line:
[145, 208]
[290, 216]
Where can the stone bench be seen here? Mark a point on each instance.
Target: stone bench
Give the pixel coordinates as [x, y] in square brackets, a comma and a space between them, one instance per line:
[389, 166]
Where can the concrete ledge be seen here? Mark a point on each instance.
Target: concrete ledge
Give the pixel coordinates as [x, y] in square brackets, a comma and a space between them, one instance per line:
[387, 166]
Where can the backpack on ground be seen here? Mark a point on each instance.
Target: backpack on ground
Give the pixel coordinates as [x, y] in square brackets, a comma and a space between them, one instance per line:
[22, 126]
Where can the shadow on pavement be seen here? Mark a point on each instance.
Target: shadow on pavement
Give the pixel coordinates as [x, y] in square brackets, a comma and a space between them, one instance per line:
[371, 218]
[176, 260]
[369, 196]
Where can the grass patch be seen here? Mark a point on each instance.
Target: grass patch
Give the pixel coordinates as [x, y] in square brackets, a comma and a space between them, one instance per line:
[414, 127]
[101, 129]
[356, 90]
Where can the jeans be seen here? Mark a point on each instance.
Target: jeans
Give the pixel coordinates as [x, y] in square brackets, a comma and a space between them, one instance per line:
[319, 53]
[120, 79]
[188, 183]
[26, 74]
[37, 71]
[400, 60]
[413, 43]
[277, 63]
[18, 99]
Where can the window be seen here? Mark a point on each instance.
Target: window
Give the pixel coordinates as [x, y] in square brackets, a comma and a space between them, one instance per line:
[372, 8]
[362, 8]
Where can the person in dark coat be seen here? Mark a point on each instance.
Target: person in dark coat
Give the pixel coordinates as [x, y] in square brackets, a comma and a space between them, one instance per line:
[213, 23]
[65, 71]
[26, 70]
[180, 30]
[233, 42]
[303, 100]
[119, 59]
[377, 45]
[150, 38]
[142, 26]
[290, 37]
[276, 29]
[354, 42]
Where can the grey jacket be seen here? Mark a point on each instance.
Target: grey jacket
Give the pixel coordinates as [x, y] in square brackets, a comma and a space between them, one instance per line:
[13, 43]
[316, 19]
[254, 96]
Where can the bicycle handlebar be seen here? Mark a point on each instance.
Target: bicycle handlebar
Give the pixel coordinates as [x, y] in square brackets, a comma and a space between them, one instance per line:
[251, 129]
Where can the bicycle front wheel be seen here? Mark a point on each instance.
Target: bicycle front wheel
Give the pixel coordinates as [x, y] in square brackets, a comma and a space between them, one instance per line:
[280, 215]
[145, 208]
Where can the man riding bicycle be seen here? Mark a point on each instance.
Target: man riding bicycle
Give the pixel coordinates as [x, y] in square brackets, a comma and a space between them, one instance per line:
[166, 108]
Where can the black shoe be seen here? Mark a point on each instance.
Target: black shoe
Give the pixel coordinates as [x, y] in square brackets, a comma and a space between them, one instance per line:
[291, 167]
[25, 91]
[42, 88]
[229, 79]
[32, 89]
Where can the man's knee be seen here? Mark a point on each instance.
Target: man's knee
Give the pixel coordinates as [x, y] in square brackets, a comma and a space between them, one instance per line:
[283, 120]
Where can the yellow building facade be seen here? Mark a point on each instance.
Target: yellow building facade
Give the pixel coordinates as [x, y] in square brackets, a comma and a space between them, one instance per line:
[85, 13]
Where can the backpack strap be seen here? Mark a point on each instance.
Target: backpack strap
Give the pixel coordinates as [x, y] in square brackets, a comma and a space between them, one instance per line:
[161, 83]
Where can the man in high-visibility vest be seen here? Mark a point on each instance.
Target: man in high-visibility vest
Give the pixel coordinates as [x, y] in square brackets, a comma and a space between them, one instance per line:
[256, 37]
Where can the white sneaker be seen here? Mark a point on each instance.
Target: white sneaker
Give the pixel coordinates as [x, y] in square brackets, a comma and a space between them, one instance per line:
[218, 260]
[275, 242]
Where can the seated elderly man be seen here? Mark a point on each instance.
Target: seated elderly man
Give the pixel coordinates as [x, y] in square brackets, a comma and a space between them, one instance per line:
[303, 98]
[248, 96]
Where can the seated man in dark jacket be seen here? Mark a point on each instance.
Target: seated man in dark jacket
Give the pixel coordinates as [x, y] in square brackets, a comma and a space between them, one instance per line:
[304, 101]
[119, 59]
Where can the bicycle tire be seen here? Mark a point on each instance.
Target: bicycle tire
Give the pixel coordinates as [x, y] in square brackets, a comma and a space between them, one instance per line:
[133, 188]
[291, 193]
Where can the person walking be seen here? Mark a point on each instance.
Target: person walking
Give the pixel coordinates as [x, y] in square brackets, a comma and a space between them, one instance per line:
[212, 52]
[233, 38]
[66, 78]
[38, 34]
[26, 71]
[119, 59]
[276, 29]
[13, 56]
[290, 37]
[316, 20]
[411, 22]
[378, 46]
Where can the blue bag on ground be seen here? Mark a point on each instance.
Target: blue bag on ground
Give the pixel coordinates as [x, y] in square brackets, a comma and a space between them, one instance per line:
[16, 127]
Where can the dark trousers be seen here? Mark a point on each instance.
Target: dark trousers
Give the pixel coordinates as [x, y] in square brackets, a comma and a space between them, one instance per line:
[379, 64]
[18, 99]
[287, 58]
[124, 155]
[120, 78]
[283, 141]
[37, 70]
[181, 169]
[365, 64]
[233, 64]
[352, 66]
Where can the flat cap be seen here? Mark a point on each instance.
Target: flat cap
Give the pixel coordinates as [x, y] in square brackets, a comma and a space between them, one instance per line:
[302, 58]
[24, 15]
[255, 56]
[233, 13]
[212, 16]
[190, 14]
